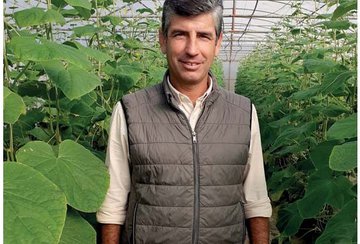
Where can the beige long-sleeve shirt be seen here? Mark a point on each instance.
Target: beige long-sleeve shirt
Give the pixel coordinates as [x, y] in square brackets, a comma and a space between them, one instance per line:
[113, 209]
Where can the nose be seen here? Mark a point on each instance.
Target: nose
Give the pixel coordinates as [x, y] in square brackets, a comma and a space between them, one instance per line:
[192, 48]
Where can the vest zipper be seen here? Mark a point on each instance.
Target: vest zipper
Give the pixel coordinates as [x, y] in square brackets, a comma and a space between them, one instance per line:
[194, 137]
[195, 234]
[196, 219]
[196, 160]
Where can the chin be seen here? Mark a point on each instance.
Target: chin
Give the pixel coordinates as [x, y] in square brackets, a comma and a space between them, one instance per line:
[194, 78]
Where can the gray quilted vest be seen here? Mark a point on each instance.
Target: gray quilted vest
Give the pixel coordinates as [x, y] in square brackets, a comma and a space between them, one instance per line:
[186, 186]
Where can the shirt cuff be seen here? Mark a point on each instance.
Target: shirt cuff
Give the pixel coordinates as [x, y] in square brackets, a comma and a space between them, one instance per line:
[260, 208]
[110, 217]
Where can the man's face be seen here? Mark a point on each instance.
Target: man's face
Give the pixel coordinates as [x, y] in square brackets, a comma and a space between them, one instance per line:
[190, 48]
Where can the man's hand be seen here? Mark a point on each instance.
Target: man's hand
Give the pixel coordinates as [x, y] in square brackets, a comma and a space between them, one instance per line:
[110, 234]
[258, 228]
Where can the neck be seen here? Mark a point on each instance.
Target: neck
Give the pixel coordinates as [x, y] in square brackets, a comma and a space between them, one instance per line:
[193, 91]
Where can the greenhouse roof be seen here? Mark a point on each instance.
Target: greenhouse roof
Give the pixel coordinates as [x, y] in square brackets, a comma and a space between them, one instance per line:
[247, 23]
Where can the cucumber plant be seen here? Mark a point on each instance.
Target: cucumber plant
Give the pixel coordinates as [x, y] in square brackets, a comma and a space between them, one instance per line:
[308, 117]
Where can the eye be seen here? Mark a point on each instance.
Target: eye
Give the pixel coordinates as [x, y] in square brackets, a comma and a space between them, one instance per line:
[205, 36]
[178, 34]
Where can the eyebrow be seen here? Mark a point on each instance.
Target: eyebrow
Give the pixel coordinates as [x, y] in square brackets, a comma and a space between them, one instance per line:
[206, 33]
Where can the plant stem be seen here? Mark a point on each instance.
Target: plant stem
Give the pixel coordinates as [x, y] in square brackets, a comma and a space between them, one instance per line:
[57, 131]
[6, 24]
[49, 34]
[22, 72]
[7, 71]
[50, 117]
[97, 14]
[6, 64]
[326, 121]
[11, 150]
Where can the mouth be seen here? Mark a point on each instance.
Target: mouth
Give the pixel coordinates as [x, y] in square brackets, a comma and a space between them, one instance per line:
[190, 65]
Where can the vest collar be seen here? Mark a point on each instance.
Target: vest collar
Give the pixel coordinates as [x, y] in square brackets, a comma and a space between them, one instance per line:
[214, 94]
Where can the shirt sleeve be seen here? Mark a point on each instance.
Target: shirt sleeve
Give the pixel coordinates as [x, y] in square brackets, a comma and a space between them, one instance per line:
[113, 209]
[257, 202]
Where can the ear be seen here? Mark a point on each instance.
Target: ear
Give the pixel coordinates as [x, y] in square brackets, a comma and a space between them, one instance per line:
[162, 41]
[218, 44]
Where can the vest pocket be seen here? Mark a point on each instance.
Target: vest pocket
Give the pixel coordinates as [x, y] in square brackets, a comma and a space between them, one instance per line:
[134, 223]
[243, 236]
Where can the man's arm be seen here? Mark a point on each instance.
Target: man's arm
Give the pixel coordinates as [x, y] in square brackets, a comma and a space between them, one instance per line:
[257, 203]
[258, 228]
[112, 212]
[110, 233]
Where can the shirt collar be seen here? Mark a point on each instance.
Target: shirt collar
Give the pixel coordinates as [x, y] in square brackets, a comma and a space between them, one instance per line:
[180, 96]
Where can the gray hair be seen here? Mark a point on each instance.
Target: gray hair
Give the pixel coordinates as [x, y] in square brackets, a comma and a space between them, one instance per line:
[192, 8]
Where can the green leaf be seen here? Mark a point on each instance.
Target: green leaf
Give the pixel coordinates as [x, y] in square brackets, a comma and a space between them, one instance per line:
[37, 16]
[91, 52]
[334, 110]
[134, 44]
[306, 93]
[40, 134]
[289, 220]
[29, 17]
[156, 74]
[86, 30]
[345, 128]
[145, 10]
[323, 16]
[53, 16]
[34, 207]
[125, 74]
[336, 24]
[59, 3]
[319, 65]
[14, 106]
[334, 81]
[83, 12]
[324, 189]
[77, 230]
[321, 153]
[73, 81]
[31, 88]
[281, 181]
[104, 3]
[79, 3]
[341, 228]
[69, 13]
[38, 49]
[82, 176]
[114, 20]
[81, 115]
[293, 135]
[343, 157]
[343, 9]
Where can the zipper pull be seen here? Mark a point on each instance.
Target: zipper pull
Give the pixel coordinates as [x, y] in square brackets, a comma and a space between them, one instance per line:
[194, 137]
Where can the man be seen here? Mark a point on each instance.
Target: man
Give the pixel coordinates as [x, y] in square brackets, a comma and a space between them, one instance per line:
[188, 151]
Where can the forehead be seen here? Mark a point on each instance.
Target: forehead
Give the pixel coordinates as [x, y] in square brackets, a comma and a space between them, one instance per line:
[201, 22]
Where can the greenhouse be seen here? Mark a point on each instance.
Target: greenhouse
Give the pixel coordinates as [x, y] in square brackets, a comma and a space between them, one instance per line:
[67, 63]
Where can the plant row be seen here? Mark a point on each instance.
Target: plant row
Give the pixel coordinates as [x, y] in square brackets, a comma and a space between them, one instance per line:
[304, 86]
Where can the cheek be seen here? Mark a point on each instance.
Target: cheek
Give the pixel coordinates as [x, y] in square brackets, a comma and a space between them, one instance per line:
[174, 49]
